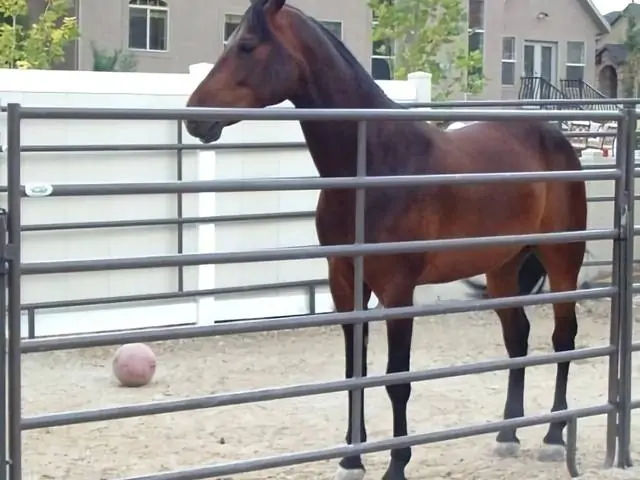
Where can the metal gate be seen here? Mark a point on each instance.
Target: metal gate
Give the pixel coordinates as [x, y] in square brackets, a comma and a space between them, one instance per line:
[619, 405]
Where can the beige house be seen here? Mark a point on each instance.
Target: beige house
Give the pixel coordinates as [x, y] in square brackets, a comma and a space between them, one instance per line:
[551, 40]
[546, 39]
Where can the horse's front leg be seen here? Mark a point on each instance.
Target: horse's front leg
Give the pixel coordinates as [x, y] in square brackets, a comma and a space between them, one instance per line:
[341, 283]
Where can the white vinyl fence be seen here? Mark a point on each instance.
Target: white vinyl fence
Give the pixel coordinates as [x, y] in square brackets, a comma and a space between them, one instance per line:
[146, 90]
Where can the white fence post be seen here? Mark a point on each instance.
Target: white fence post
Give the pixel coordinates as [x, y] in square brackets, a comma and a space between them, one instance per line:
[422, 82]
[197, 71]
[206, 167]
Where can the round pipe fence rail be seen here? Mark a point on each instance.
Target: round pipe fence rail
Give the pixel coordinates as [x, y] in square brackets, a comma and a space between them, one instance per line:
[619, 350]
[180, 221]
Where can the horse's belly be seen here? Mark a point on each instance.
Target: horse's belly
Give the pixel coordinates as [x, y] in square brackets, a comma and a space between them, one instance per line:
[512, 213]
[444, 267]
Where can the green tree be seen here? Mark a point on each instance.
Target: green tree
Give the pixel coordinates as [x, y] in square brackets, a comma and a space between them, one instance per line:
[431, 36]
[40, 44]
[631, 68]
[112, 60]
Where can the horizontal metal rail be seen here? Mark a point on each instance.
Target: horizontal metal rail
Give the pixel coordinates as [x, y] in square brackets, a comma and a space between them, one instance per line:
[158, 222]
[510, 103]
[297, 114]
[85, 302]
[244, 466]
[308, 252]
[526, 103]
[317, 183]
[302, 284]
[306, 321]
[315, 388]
[572, 134]
[160, 147]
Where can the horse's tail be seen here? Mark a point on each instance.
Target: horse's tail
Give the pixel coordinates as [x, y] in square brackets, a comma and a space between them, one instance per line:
[531, 278]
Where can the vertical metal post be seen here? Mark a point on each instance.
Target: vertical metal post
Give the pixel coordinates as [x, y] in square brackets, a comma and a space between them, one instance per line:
[180, 203]
[617, 299]
[31, 324]
[626, 330]
[358, 290]
[3, 344]
[311, 294]
[14, 361]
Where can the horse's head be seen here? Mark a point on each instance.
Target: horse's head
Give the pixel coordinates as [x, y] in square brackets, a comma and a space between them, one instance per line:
[259, 67]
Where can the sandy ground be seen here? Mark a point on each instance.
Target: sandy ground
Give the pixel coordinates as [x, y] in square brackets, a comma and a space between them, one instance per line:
[107, 450]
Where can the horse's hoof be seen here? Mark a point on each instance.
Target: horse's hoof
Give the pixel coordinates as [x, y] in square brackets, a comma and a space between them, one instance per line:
[507, 449]
[552, 453]
[351, 474]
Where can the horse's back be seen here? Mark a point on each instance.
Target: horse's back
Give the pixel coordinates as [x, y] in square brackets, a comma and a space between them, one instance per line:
[513, 146]
[522, 146]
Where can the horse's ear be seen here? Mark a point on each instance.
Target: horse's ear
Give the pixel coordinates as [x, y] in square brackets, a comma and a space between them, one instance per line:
[273, 6]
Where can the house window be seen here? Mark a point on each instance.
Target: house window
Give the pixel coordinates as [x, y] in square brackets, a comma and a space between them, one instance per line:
[476, 30]
[575, 60]
[148, 25]
[333, 27]
[231, 22]
[382, 57]
[508, 60]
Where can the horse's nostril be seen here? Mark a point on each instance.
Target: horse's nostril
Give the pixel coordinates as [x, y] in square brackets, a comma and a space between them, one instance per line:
[193, 127]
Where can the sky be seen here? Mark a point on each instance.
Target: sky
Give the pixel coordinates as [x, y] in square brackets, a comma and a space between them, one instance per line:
[606, 6]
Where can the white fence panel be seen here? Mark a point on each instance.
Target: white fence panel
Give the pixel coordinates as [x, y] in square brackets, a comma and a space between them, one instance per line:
[147, 90]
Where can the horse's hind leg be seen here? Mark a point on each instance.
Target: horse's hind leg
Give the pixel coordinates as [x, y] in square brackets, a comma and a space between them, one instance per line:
[563, 263]
[342, 291]
[503, 282]
[399, 334]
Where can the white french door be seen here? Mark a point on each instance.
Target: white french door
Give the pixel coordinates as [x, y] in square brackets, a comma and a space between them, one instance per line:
[541, 60]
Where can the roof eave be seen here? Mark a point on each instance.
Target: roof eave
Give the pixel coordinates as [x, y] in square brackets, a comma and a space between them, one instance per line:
[598, 19]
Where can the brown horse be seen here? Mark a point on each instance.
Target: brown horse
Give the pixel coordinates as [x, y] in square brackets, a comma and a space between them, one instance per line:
[279, 53]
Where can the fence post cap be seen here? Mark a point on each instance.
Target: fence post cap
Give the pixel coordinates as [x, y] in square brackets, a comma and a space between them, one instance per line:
[200, 67]
[418, 75]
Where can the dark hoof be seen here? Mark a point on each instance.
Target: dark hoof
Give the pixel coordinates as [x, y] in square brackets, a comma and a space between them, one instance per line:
[351, 474]
[395, 471]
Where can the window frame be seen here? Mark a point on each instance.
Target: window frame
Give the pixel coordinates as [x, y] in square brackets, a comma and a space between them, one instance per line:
[229, 17]
[509, 61]
[148, 7]
[337, 22]
[481, 30]
[568, 64]
[390, 59]
[227, 20]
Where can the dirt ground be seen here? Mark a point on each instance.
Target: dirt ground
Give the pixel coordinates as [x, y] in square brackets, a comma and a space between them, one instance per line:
[81, 379]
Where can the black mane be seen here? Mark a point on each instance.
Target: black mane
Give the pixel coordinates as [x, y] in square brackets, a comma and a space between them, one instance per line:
[257, 20]
[364, 79]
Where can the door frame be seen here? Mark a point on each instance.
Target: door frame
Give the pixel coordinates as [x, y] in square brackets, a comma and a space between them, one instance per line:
[537, 58]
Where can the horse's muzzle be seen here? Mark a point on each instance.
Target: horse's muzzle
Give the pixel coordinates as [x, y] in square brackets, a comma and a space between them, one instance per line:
[206, 132]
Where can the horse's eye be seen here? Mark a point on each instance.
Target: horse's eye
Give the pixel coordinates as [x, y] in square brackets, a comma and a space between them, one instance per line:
[246, 47]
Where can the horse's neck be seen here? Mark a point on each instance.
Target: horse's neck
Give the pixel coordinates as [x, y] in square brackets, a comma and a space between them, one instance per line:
[333, 144]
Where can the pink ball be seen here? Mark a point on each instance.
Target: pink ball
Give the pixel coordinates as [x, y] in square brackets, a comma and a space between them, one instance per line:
[134, 364]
